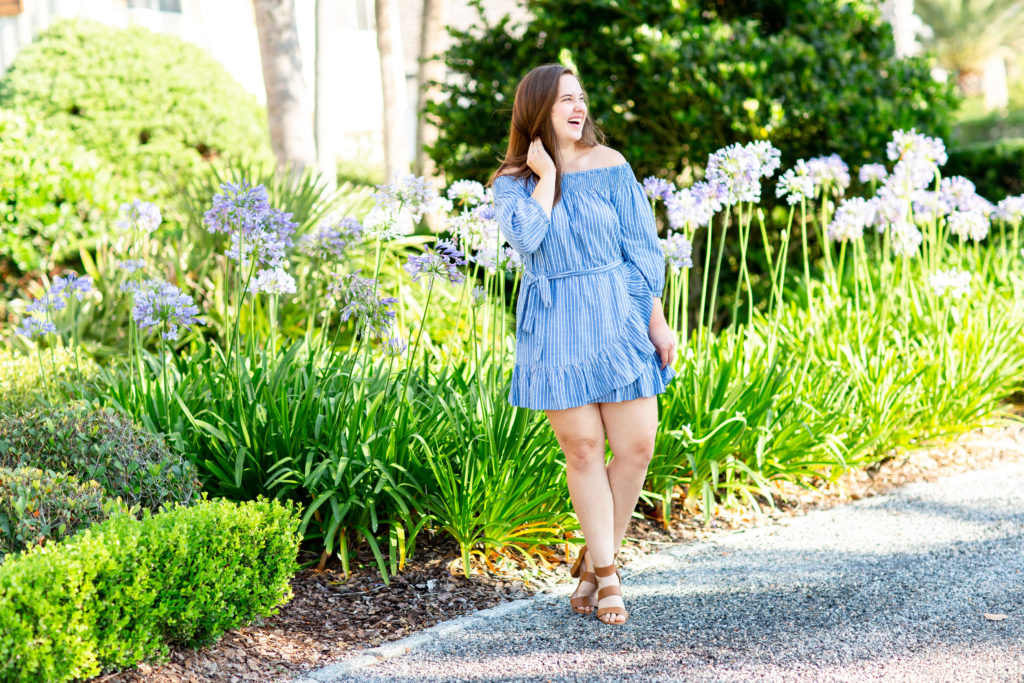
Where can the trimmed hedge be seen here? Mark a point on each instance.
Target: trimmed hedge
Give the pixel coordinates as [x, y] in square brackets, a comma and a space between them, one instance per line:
[98, 443]
[996, 168]
[54, 193]
[122, 591]
[156, 107]
[38, 506]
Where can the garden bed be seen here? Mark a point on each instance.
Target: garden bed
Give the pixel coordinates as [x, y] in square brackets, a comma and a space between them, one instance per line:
[330, 616]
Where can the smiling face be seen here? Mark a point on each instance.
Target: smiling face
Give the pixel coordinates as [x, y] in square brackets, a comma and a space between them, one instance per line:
[569, 112]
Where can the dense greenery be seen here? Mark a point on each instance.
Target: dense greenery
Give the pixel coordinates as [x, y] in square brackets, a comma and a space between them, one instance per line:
[124, 590]
[671, 82]
[155, 107]
[38, 507]
[997, 168]
[100, 444]
[22, 377]
[54, 194]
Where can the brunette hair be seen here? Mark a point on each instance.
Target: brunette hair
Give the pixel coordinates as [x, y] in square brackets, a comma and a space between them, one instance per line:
[531, 117]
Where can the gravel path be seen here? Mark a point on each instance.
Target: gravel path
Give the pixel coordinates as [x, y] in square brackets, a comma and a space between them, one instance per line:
[890, 588]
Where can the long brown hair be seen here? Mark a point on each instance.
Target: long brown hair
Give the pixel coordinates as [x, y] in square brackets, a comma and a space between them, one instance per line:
[531, 117]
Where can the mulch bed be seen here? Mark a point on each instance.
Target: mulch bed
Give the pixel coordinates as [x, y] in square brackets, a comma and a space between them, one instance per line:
[329, 615]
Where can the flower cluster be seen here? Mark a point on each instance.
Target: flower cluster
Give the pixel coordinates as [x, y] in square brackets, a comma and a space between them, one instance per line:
[658, 188]
[492, 260]
[796, 184]
[957, 283]
[851, 218]
[678, 251]
[968, 224]
[55, 299]
[468, 193]
[695, 206]
[440, 261]
[394, 346]
[906, 238]
[830, 174]
[274, 281]
[241, 208]
[1011, 209]
[739, 169]
[141, 216]
[872, 173]
[400, 204]
[164, 306]
[357, 296]
[35, 327]
[331, 237]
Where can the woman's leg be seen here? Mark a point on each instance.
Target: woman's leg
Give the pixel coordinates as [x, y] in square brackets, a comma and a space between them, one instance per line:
[632, 427]
[580, 434]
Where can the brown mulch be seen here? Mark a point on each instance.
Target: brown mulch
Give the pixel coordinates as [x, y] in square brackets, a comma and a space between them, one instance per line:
[329, 616]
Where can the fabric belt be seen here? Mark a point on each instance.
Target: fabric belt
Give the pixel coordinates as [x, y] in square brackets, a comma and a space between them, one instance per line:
[536, 285]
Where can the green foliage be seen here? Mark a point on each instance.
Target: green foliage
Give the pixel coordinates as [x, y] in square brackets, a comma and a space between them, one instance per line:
[669, 86]
[39, 506]
[54, 194]
[124, 590]
[23, 378]
[154, 106]
[100, 444]
[996, 168]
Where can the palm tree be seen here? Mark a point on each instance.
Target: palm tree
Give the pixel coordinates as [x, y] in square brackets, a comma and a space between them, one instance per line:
[392, 76]
[971, 38]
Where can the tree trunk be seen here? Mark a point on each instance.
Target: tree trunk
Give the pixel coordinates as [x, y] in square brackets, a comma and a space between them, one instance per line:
[288, 110]
[993, 83]
[431, 43]
[326, 142]
[900, 14]
[392, 76]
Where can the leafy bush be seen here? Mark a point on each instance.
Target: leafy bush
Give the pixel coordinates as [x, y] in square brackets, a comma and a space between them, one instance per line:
[100, 444]
[125, 589]
[22, 380]
[996, 168]
[156, 107]
[53, 193]
[669, 86]
[38, 506]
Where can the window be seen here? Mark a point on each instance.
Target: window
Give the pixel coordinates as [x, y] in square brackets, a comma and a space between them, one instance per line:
[158, 5]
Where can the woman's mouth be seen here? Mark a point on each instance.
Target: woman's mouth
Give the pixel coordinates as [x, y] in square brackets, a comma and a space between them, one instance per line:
[576, 122]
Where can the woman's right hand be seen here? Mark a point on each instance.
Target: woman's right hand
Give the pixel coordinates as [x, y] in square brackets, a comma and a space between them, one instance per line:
[538, 159]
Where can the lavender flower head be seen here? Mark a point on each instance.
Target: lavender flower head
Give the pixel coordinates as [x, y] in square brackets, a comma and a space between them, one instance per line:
[32, 327]
[274, 281]
[259, 247]
[956, 282]
[48, 304]
[768, 157]
[331, 237]
[164, 306]
[906, 238]
[238, 208]
[281, 224]
[851, 218]
[479, 295]
[356, 295]
[132, 265]
[918, 158]
[872, 173]
[472, 230]
[796, 184]
[467, 193]
[139, 215]
[408, 194]
[830, 174]
[70, 284]
[929, 206]
[738, 169]
[440, 261]
[678, 251]
[492, 259]
[968, 224]
[384, 223]
[694, 206]
[657, 188]
[1011, 209]
[394, 346]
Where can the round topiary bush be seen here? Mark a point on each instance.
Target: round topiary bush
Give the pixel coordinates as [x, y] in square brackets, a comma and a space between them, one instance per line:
[100, 444]
[156, 107]
[39, 506]
[53, 193]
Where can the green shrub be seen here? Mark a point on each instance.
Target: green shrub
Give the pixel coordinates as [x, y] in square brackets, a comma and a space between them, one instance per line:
[671, 82]
[38, 506]
[996, 168]
[156, 107]
[22, 380]
[100, 444]
[125, 589]
[53, 193]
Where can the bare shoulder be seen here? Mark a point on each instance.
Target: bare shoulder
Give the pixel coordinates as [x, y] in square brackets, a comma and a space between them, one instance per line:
[606, 156]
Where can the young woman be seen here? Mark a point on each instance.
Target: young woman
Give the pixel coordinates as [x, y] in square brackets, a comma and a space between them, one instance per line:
[593, 349]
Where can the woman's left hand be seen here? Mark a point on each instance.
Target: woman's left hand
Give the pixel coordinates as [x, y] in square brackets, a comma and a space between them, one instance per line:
[664, 340]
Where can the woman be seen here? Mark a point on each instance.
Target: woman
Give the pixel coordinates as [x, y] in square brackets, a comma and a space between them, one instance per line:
[593, 349]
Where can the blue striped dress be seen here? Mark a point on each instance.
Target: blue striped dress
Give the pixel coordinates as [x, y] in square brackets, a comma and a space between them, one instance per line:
[589, 274]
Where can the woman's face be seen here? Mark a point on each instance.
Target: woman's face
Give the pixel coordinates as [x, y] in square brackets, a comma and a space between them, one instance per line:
[569, 112]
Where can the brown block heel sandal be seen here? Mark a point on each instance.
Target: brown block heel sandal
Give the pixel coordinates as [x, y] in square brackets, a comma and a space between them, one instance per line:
[578, 603]
[608, 591]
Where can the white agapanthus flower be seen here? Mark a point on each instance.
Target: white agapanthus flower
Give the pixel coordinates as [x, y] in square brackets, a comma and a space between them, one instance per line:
[274, 281]
[956, 283]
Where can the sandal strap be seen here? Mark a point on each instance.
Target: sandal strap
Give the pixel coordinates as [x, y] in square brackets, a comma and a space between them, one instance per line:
[601, 611]
[582, 601]
[575, 570]
[605, 571]
[588, 577]
[607, 591]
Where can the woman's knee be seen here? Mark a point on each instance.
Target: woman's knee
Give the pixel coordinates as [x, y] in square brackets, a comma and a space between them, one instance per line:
[583, 452]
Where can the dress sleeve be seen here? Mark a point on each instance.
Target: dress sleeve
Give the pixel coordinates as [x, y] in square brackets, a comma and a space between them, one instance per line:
[522, 219]
[638, 236]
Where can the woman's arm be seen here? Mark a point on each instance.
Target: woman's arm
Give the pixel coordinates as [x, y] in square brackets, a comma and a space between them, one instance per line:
[539, 161]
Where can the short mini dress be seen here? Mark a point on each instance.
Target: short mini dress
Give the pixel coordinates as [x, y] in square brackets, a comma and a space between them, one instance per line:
[589, 275]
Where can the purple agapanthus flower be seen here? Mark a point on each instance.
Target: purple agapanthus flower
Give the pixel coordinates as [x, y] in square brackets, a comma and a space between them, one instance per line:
[356, 295]
[35, 327]
[164, 306]
[851, 218]
[678, 251]
[49, 303]
[658, 188]
[132, 265]
[1011, 209]
[394, 346]
[796, 184]
[139, 215]
[331, 237]
[274, 281]
[237, 208]
[738, 169]
[72, 284]
[261, 247]
[408, 194]
[872, 173]
[829, 173]
[440, 261]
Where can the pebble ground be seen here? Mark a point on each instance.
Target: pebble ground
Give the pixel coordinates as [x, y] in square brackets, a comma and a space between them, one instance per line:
[890, 588]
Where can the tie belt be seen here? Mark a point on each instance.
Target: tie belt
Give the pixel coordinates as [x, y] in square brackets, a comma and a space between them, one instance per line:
[536, 284]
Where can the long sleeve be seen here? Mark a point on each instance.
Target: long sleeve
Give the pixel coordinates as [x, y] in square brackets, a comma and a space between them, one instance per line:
[522, 219]
[639, 233]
